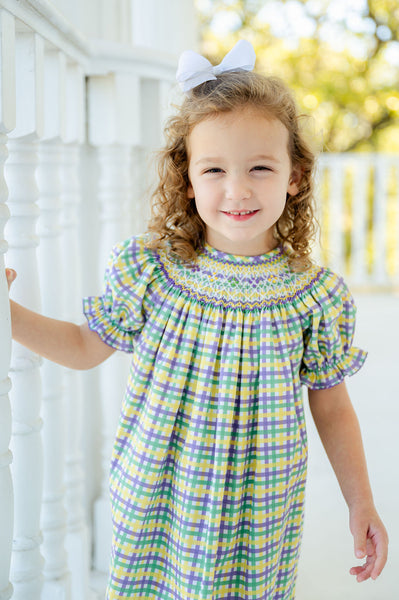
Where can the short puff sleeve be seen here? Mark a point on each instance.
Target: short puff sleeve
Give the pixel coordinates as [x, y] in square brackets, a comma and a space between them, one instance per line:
[117, 316]
[329, 355]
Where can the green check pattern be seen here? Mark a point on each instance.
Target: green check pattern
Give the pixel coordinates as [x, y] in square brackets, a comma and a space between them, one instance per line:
[209, 464]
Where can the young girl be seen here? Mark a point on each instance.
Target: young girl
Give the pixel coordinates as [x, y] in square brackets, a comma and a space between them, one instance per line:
[226, 318]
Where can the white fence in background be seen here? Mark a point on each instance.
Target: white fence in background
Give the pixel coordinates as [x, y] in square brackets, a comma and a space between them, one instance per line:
[358, 198]
[84, 89]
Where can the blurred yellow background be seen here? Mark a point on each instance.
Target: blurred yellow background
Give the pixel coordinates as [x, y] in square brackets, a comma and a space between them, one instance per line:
[341, 58]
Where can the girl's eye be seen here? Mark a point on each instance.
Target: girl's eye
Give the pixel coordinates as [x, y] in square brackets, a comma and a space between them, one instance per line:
[261, 168]
[214, 170]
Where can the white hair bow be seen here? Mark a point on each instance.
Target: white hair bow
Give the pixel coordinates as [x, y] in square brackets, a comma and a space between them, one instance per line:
[195, 69]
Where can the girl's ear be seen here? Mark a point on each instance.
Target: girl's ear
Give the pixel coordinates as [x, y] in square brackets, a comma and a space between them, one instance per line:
[190, 192]
[295, 180]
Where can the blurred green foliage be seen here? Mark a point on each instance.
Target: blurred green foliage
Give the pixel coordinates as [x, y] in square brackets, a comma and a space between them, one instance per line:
[341, 60]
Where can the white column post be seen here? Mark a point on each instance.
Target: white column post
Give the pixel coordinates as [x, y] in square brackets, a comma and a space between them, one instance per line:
[320, 178]
[153, 112]
[335, 218]
[27, 468]
[113, 374]
[145, 30]
[359, 219]
[381, 181]
[114, 16]
[154, 20]
[395, 275]
[7, 123]
[113, 129]
[124, 21]
[53, 518]
[138, 212]
[77, 534]
[77, 540]
[6, 496]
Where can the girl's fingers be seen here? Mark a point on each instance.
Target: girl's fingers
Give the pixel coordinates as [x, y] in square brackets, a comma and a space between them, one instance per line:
[361, 573]
[381, 559]
[10, 276]
[376, 559]
[360, 541]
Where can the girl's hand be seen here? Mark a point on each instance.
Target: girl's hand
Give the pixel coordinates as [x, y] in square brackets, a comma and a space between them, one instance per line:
[371, 541]
[10, 275]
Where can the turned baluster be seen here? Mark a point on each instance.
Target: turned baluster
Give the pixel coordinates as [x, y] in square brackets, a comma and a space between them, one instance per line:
[26, 395]
[7, 123]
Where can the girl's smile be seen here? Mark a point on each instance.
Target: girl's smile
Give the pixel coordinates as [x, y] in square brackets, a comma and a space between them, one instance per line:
[240, 173]
[241, 216]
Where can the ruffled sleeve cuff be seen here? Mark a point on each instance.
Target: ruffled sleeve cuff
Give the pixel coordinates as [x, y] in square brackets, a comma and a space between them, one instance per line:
[329, 355]
[118, 315]
[332, 373]
[108, 326]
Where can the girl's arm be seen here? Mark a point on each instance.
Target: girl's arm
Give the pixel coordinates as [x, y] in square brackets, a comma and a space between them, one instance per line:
[339, 432]
[70, 345]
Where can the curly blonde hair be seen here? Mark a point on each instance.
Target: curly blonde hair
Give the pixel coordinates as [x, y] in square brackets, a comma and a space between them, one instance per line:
[175, 222]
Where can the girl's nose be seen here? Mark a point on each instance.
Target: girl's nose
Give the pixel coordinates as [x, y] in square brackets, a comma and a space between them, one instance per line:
[237, 188]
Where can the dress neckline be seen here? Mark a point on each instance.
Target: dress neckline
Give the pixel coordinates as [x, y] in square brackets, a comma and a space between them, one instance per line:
[227, 258]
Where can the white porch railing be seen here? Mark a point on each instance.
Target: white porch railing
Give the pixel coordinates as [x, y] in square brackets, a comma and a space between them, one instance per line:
[84, 91]
[359, 215]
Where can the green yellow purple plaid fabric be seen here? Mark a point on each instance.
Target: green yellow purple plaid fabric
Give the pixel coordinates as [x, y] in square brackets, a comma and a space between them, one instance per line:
[209, 464]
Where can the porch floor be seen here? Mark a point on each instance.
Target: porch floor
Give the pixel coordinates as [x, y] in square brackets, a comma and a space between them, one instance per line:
[327, 551]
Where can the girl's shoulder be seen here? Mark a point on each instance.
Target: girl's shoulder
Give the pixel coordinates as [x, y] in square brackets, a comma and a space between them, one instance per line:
[328, 282]
[130, 258]
[327, 293]
[135, 249]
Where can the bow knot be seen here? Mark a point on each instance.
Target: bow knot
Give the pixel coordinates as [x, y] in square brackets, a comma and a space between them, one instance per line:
[195, 69]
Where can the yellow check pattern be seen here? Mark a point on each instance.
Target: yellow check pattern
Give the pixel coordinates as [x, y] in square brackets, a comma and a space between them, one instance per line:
[209, 464]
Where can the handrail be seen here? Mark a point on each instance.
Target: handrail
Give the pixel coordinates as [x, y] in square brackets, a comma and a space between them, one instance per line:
[46, 20]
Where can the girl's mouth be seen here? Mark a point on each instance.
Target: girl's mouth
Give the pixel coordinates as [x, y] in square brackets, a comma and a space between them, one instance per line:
[240, 215]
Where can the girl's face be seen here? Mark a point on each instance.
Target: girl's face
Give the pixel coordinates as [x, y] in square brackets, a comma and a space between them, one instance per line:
[240, 172]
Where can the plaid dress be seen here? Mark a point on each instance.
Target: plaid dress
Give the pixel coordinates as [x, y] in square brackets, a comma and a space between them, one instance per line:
[209, 464]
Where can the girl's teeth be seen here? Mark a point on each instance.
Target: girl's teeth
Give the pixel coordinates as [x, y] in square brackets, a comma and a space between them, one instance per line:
[245, 212]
